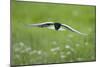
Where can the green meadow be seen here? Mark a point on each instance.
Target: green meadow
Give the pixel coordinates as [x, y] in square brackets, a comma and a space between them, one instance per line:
[33, 45]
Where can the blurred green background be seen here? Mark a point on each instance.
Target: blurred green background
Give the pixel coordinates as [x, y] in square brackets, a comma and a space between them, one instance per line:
[44, 46]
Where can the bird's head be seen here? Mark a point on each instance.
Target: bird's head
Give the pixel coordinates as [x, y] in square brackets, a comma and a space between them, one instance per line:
[57, 26]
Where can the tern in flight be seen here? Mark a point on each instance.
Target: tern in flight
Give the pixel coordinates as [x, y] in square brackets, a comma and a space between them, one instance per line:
[56, 26]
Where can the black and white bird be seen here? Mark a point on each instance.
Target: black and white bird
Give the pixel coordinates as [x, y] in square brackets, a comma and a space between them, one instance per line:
[56, 26]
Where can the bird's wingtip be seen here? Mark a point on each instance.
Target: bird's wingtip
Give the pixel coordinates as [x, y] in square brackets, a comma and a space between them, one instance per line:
[84, 34]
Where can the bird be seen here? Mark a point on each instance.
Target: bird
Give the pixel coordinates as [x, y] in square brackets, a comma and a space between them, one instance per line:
[57, 26]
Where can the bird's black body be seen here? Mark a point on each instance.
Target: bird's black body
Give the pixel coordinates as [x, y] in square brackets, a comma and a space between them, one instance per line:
[57, 26]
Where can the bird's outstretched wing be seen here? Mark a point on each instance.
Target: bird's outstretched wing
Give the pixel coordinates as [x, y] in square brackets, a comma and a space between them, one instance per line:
[71, 29]
[45, 24]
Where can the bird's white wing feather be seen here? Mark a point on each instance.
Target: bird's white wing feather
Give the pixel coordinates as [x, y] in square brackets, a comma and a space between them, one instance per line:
[45, 24]
[72, 29]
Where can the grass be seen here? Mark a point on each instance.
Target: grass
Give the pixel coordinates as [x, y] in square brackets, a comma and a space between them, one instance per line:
[43, 46]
